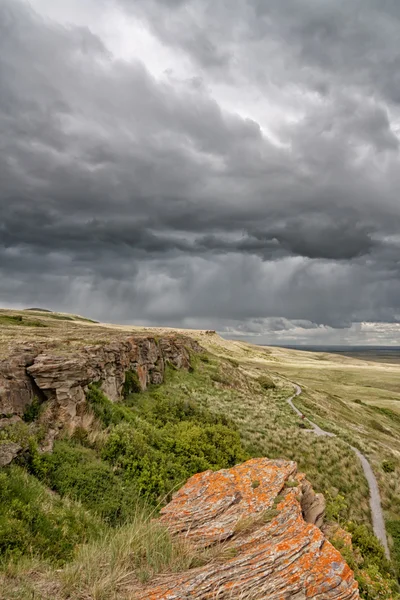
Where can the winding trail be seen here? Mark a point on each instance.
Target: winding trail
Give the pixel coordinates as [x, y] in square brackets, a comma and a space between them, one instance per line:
[378, 522]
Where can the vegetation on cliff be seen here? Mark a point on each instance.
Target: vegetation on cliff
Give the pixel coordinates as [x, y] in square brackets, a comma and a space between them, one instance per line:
[99, 489]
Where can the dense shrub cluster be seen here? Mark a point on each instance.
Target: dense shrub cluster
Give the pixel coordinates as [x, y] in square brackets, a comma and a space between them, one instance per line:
[109, 413]
[35, 522]
[151, 448]
[266, 382]
[160, 459]
[388, 466]
[393, 529]
[77, 472]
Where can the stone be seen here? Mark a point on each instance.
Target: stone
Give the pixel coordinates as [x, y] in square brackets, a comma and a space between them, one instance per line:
[8, 451]
[62, 379]
[16, 389]
[313, 505]
[258, 522]
[7, 421]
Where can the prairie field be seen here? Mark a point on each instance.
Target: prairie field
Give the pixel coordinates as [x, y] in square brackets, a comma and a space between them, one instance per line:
[237, 394]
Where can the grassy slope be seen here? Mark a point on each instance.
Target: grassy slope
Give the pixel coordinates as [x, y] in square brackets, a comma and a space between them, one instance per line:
[344, 395]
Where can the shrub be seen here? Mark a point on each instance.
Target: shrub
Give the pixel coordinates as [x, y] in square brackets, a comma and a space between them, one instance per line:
[131, 384]
[204, 358]
[35, 522]
[158, 460]
[32, 411]
[18, 320]
[393, 528]
[78, 473]
[220, 379]
[292, 483]
[266, 382]
[108, 412]
[379, 427]
[234, 363]
[388, 466]
[375, 573]
[337, 508]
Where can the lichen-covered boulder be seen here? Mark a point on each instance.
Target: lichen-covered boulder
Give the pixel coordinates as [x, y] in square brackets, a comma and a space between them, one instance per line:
[254, 511]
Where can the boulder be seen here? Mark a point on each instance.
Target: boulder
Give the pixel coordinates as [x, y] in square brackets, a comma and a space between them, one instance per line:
[313, 505]
[256, 519]
[8, 451]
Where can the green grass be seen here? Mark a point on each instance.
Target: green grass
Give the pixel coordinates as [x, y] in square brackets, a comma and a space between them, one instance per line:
[213, 417]
[36, 523]
[19, 321]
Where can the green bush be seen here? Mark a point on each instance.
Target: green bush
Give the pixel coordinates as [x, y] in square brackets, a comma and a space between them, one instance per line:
[204, 358]
[372, 570]
[337, 508]
[151, 449]
[108, 412]
[388, 466]
[32, 411]
[160, 409]
[131, 384]
[158, 460]
[78, 473]
[19, 321]
[37, 523]
[393, 529]
[266, 382]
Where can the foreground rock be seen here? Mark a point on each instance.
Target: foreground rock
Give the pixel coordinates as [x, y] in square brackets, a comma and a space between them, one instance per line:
[62, 378]
[254, 512]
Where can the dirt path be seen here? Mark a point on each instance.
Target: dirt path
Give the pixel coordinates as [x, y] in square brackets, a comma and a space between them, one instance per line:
[378, 522]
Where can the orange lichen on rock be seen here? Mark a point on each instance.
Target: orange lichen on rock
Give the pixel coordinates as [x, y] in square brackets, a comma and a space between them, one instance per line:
[255, 511]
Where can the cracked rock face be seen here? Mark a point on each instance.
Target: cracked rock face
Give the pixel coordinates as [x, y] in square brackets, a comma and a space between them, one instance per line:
[62, 379]
[8, 451]
[255, 510]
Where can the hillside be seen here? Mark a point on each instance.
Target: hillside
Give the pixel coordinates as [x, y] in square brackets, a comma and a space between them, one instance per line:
[193, 402]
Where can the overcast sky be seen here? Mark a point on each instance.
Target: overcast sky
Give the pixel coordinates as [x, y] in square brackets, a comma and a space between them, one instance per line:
[204, 163]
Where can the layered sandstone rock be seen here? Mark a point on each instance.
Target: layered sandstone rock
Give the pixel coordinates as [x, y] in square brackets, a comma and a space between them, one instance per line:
[63, 378]
[254, 512]
[16, 389]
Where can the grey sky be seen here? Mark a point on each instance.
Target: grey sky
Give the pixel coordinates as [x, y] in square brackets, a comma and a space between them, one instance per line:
[204, 164]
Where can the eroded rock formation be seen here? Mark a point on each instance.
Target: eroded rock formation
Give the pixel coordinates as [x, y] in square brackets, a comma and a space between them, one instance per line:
[8, 451]
[62, 377]
[255, 512]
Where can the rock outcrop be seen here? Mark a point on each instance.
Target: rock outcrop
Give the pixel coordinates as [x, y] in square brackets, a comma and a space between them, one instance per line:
[254, 513]
[8, 451]
[16, 389]
[61, 378]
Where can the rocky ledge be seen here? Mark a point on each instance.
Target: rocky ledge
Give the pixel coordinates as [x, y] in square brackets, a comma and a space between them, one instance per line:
[61, 378]
[262, 516]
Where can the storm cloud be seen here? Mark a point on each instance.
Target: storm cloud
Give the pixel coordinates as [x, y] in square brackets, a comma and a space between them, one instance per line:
[202, 164]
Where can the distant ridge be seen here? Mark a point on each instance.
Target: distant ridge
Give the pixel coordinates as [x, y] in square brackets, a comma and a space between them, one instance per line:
[40, 309]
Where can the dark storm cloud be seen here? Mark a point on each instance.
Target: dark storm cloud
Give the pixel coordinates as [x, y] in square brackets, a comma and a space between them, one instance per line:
[134, 197]
[292, 42]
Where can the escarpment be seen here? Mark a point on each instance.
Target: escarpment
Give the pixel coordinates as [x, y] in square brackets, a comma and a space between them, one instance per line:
[61, 378]
[253, 517]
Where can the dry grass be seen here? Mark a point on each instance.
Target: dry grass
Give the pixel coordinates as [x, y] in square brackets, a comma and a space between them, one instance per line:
[137, 552]
[343, 394]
